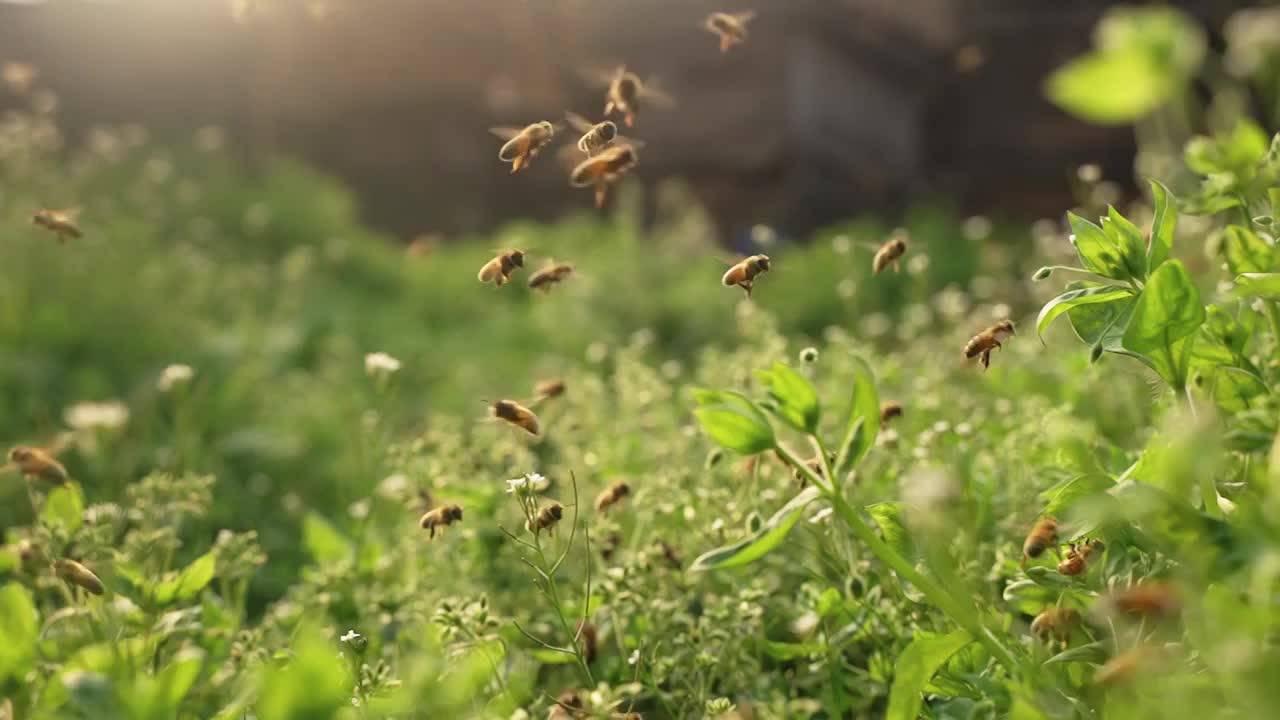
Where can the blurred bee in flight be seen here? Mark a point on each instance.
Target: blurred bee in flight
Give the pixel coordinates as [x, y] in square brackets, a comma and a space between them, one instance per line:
[597, 136]
[612, 495]
[522, 146]
[39, 463]
[731, 27]
[76, 574]
[440, 518]
[546, 518]
[889, 410]
[1043, 535]
[568, 706]
[498, 270]
[1056, 623]
[983, 343]
[890, 253]
[550, 275]
[744, 273]
[61, 222]
[604, 169]
[516, 414]
[626, 93]
[18, 76]
[546, 389]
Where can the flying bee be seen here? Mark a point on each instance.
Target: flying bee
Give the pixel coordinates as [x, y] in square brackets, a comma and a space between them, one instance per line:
[890, 253]
[1079, 556]
[1150, 599]
[1043, 535]
[546, 389]
[983, 343]
[568, 706]
[18, 76]
[612, 495]
[546, 518]
[523, 145]
[1056, 623]
[745, 272]
[76, 574]
[626, 93]
[550, 275]
[39, 463]
[731, 27]
[1124, 666]
[516, 414]
[610, 546]
[61, 222]
[604, 169]
[595, 136]
[440, 518]
[499, 270]
[889, 411]
[669, 554]
[590, 641]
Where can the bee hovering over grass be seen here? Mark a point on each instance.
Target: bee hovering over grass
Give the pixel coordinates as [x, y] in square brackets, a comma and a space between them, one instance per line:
[499, 270]
[626, 93]
[731, 27]
[744, 273]
[1156, 600]
[1043, 535]
[890, 253]
[604, 169]
[547, 389]
[61, 222]
[889, 411]
[18, 76]
[1056, 623]
[1079, 557]
[523, 145]
[516, 414]
[550, 275]
[546, 519]
[612, 495]
[76, 574]
[39, 463]
[440, 518]
[983, 343]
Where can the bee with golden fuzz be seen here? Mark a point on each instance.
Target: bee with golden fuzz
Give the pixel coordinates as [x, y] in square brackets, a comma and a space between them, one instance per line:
[547, 389]
[731, 27]
[74, 573]
[1055, 623]
[889, 411]
[890, 253]
[745, 272]
[627, 93]
[612, 495]
[440, 518]
[604, 169]
[1156, 600]
[546, 519]
[499, 270]
[550, 275]
[1079, 556]
[590, 641]
[523, 145]
[983, 343]
[38, 463]
[516, 414]
[1043, 535]
[61, 222]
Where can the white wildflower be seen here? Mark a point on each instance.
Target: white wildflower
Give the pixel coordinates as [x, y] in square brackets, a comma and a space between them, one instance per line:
[95, 416]
[173, 376]
[380, 364]
[534, 482]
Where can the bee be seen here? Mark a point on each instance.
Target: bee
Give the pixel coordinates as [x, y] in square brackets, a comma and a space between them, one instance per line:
[522, 146]
[61, 222]
[590, 641]
[498, 270]
[604, 169]
[440, 517]
[1124, 666]
[669, 554]
[516, 414]
[626, 93]
[1056, 623]
[551, 274]
[595, 136]
[76, 574]
[1079, 556]
[890, 253]
[612, 495]
[547, 518]
[984, 342]
[569, 705]
[731, 27]
[18, 77]
[547, 389]
[1043, 535]
[744, 273]
[610, 546]
[889, 411]
[38, 463]
[1151, 599]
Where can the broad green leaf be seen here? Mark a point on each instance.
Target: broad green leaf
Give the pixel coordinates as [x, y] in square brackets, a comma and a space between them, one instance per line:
[864, 418]
[785, 651]
[1029, 596]
[1263, 285]
[1076, 298]
[159, 697]
[1110, 88]
[733, 421]
[1234, 389]
[796, 399]
[1059, 500]
[313, 685]
[552, 657]
[1096, 652]
[1162, 226]
[19, 628]
[1167, 311]
[888, 516]
[926, 654]
[1098, 252]
[65, 507]
[1237, 153]
[323, 540]
[1245, 252]
[759, 544]
[188, 583]
[1128, 238]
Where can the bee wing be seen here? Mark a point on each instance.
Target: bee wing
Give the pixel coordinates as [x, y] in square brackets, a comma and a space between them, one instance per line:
[577, 122]
[59, 444]
[506, 133]
[600, 77]
[624, 140]
[8, 468]
[653, 94]
[745, 16]
[569, 155]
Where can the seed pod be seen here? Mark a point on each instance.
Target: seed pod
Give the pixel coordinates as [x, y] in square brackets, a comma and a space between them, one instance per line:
[809, 355]
[1095, 353]
[76, 574]
[1042, 274]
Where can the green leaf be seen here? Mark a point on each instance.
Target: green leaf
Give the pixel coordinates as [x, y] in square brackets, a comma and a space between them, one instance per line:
[1059, 500]
[1234, 389]
[1114, 88]
[1263, 285]
[1162, 226]
[1096, 653]
[785, 651]
[1097, 251]
[552, 657]
[733, 421]
[323, 540]
[758, 544]
[19, 626]
[1128, 238]
[159, 697]
[926, 654]
[864, 419]
[1076, 298]
[796, 399]
[1245, 252]
[1167, 311]
[65, 507]
[188, 583]
[313, 685]
[888, 516]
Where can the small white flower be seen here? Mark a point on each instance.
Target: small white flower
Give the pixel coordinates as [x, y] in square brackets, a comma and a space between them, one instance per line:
[94, 416]
[393, 487]
[173, 376]
[534, 482]
[350, 636]
[380, 364]
[635, 658]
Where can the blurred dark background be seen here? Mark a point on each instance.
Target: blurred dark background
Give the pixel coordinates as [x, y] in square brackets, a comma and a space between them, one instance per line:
[833, 107]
